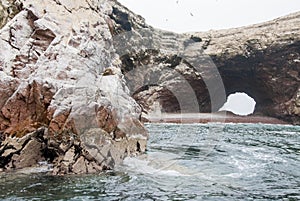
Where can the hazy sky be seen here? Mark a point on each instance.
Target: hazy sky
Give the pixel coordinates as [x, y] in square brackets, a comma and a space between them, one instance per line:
[202, 15]
[239, 103]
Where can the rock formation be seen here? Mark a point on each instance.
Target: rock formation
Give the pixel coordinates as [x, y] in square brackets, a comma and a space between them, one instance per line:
[8, 9]
[68, 68]
[56, 103]
[261, 60]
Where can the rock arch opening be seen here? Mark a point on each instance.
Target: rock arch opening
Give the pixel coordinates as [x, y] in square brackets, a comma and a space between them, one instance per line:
[239, 103]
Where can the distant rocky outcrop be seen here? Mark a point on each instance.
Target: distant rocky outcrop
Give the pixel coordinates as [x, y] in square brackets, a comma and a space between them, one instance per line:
[261, 60]
[58, 103]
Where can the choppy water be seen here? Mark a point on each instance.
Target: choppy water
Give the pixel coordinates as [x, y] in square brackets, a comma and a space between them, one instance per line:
[185, 162]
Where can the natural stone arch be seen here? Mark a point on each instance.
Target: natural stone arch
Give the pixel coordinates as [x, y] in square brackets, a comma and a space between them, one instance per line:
[261, 60]
[271, 77]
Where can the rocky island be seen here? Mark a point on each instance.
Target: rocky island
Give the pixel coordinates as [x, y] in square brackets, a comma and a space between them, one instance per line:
[76, 77]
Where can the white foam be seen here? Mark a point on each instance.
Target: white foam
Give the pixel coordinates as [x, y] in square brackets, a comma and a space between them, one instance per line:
[156, 166]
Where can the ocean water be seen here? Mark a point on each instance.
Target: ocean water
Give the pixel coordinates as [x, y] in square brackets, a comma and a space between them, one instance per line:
[184, 162]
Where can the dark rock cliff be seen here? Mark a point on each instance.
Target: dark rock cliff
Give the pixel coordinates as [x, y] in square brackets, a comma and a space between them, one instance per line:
[261, 60]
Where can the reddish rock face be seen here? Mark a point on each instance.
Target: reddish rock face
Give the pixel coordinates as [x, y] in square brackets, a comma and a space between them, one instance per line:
[57, 103]
[26, 109]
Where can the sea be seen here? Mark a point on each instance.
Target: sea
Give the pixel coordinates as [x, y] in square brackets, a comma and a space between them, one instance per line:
[214, 161]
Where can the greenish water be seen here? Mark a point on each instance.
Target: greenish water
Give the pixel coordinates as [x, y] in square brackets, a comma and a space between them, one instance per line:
[185, 162]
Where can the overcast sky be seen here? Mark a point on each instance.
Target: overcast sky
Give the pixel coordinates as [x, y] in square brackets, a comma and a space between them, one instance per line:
[202, 15]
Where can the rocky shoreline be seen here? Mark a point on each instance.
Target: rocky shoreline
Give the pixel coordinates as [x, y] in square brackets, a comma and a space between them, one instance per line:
[90, 154]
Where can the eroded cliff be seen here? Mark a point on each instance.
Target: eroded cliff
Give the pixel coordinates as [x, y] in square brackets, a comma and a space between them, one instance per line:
[261, 60]
[57, 104]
